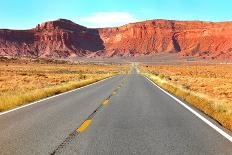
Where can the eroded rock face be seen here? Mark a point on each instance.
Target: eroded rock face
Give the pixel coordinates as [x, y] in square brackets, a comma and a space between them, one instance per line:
[199, 39]
[63, 38]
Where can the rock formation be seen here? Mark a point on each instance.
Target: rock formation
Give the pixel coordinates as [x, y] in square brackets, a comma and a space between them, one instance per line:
[63, 38]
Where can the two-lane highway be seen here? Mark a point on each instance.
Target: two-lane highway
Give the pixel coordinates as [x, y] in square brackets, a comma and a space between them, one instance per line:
[139, 119]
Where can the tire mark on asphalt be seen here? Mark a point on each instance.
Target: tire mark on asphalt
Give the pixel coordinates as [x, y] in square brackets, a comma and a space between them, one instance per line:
[87, 121]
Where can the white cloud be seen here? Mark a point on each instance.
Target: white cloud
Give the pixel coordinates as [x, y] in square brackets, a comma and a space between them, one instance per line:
[107, 19]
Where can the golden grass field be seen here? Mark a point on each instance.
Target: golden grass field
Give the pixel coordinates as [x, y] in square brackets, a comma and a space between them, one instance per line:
[21, 82]
[207, 87]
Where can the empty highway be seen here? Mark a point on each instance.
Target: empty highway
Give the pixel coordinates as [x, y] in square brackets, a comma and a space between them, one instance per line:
[125, 114]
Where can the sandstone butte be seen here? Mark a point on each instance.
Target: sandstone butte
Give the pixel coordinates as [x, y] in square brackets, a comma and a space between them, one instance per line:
[63, 38]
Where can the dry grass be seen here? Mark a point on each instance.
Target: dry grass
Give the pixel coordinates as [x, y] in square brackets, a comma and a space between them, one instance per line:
[21, 83]
[207, 87]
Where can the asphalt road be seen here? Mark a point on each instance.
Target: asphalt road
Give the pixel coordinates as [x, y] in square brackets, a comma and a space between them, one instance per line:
[40, 128]
[139, 119]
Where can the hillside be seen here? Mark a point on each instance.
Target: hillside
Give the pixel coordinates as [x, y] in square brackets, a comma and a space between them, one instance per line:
[63, 38]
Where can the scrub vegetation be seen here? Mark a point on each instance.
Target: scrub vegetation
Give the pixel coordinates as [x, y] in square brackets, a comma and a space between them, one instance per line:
[22, 82]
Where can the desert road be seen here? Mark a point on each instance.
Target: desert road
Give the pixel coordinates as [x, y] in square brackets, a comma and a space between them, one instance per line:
[125, 114]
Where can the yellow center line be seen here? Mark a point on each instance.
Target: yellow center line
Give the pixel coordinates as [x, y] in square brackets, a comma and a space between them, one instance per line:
[84, 126]
[87, 122]
[105, 102]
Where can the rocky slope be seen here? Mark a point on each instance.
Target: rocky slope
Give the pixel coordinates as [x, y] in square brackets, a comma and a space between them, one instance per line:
[63, 38]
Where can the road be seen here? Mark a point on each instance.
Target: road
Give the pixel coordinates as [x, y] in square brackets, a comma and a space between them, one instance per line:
[138, 119]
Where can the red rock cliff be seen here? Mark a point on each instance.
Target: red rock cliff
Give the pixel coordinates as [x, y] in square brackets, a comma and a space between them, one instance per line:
[187, 38]
[63, 38]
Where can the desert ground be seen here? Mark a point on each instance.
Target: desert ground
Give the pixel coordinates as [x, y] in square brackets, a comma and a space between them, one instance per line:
[24, 81]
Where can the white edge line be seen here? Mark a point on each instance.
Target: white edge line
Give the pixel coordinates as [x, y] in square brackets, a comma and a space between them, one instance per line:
[47, 98]
[223, 133]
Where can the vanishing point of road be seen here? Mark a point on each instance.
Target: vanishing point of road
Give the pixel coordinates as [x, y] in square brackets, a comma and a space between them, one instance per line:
[122, 115]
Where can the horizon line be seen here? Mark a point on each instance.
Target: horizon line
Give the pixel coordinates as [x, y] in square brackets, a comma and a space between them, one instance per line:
[139, 21]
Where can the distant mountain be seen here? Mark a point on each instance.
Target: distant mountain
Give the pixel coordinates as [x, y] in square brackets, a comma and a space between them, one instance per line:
[63, 38]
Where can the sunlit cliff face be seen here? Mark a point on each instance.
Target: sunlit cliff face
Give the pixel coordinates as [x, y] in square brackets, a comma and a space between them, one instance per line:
[63, 38]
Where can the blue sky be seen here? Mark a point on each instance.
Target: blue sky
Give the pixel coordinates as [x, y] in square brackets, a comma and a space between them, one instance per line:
[23, 14]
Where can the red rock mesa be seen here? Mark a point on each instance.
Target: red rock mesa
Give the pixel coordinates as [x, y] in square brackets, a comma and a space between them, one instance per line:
[63, 38]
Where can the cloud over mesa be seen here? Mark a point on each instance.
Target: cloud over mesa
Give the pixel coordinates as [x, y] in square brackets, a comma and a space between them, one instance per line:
[107, 19]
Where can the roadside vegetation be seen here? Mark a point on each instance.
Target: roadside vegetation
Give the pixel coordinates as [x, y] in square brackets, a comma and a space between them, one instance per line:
[22, 82]
[207, 87]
